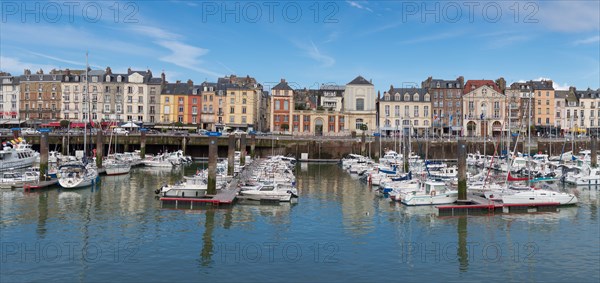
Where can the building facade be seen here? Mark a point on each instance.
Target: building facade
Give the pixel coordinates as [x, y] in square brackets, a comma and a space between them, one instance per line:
[282, 107]
[40, 97]
[544, 106]
[407, 110]
[484, 109]
[360, 106]
[446, 104]
[10, 92]
[589, 110]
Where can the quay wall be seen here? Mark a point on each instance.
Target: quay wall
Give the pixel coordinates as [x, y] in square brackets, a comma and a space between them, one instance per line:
[316, 147]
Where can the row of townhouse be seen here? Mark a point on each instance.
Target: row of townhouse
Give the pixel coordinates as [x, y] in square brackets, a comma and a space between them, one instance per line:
[473, 107]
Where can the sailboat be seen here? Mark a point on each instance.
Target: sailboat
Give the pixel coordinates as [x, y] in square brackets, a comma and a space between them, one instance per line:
[79, 174]
[117, 166]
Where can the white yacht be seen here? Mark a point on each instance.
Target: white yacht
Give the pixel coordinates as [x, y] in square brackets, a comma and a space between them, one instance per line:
[17, 155]
[431, 193]
[536, 196]
[76, 175]
[193, 187]
[277, 191]
[157, 161]
[117, 168]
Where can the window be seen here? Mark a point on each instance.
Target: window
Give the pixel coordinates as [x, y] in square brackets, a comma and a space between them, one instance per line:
[387, 110]
[557, 114]
[232, 100]
[360, 104]
[180, 119]
[406, 97]
[167, 99]
[539, 120]
[547, 121]
[416, 123]
[276, 104]
[194, 110]
[276, 118]
[244, 119]
[106, 107]
[140, 99]
[397, 111]
[286, 118]
[180, 100]
[231, 110]
[359, 123]
[180, 109]
[128, 108]
[129, 90]
[244, 110]
[194, 120]
[416, 111]
[140, 89]
[406, 110]
[244, 101]
[286, 105]
[130, 99]
[426, 111]
[547, 111]
[306, 118]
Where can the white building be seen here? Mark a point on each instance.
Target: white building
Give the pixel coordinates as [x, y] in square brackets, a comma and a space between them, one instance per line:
[9, 98]
[484, 110]
[360, 105]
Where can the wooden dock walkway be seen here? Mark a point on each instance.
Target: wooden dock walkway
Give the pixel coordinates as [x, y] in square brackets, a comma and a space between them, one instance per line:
[480, 206]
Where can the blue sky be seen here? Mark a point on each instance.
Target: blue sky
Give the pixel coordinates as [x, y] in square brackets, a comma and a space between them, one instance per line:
[390, 42]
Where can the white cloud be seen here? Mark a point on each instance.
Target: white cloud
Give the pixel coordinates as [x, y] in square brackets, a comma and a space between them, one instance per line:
[359, 6]
[186, 56]
[78, 64]
[568, 16]
[589, 40]
[314, 53]
[434, 37]
[155, 32]
[15, 66]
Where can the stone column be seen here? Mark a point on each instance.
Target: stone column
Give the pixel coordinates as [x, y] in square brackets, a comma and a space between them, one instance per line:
[377, 148]
[593, 149]
[143, 144]
[212, 165]
[252, 145]
[230, 155]
[43, 156]
[462, 170]
[184, 145]
[243, 150]
[99, 148]
[64, 145]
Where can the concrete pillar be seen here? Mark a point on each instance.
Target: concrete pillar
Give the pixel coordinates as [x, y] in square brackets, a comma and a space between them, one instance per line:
[377, 148]
[16, 133]
[363, 144]
[184, 145]
[243, 149]
[125, 145]
[230, 155]
[593, 149]
[462, 170]
[406, 153]
[143, 144]
[43, 156]
[252, 145]
[212, 165]
[64, 145]
[99, 148]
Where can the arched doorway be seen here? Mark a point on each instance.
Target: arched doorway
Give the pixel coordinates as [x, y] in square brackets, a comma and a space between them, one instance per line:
[318, 127]
[471, 127]
[484, 128]
[496, 128]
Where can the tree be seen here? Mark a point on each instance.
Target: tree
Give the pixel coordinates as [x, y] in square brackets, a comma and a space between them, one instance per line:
[64, 124]
[285, 127]
[178, 124]
[363, 127]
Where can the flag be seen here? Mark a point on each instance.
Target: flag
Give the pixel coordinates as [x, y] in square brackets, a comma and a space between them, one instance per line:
[450, 118]
[482, 116]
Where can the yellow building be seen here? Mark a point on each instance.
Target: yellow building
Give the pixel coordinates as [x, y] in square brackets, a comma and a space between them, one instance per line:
[241, 107]
[544, 106]
[174, 102]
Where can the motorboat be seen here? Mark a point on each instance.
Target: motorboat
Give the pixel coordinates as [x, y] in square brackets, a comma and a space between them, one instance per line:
[117, 168]
[537, 196]
[17, 154]
[431, 193]
[158, 161]
[192, 187]
[277, 191]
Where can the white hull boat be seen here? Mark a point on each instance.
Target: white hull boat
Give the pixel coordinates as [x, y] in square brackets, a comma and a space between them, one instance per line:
[536, 196]
[73, 176]
[117, 168]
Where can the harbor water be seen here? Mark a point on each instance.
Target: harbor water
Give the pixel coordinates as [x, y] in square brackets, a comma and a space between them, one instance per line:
[338, 230]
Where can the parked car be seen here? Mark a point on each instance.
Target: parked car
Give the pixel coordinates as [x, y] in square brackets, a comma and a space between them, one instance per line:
[120, 131]
[29, 131]
[238, 132]
[202, 131]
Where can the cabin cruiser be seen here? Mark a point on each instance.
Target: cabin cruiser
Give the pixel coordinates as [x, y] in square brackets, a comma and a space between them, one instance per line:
[17, 155]
[430, 193]
[537, 196]
[117, 168]
[587, 176]
[192, 187]
[277, 191]
[157, 161]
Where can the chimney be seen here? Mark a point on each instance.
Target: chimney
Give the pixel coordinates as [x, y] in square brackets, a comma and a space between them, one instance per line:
[283, 80]
[190, 83]
[178, 81]
[391, 88]
[129, 71]
[67, 72]
[40, 72]
[163, 77]
[461, 80]
[27, 72]
[108, 71]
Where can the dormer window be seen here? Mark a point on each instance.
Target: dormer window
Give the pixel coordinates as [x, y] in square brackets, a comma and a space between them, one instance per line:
[66, 79]
[119, 79]
[41, 77]
[406, 97]
[387, 97]
[107, 79]
[76, 78]
[427, 98]
[397, 97]
[416, 97]
[437, 85]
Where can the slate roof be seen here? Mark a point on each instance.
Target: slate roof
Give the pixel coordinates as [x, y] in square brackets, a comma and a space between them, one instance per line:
[541, 85]
[44, 78]
[177, 88]
[475, 84]
[561, 94]
[14, 80]
[359, 81]
[588, 94]
[403, 91]
[443, 84]
[283, 85]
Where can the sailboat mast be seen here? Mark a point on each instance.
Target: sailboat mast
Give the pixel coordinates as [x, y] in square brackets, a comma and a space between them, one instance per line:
[87, 86]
